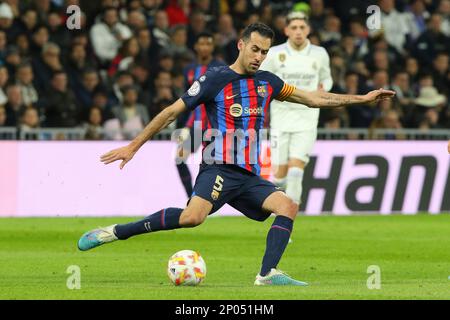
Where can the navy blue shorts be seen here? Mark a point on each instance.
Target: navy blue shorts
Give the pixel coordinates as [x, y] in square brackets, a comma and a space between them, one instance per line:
[241, 189]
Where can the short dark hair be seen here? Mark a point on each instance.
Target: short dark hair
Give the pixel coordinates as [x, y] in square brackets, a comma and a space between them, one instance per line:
[261, 28]
[204, 34]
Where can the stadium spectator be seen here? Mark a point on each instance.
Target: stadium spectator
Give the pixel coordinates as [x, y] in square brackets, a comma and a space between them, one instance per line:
[444, 10]
[39, 39]
[161, 28]
[331, 34]
[412, 68]
[2, 116]
[48, 62]
[279, 23]
[123, 79]
[12, 59]
[197, 25]
[29, 119]
[3, 44]
[416, 15]
[85, 92]
[24, 78]
[43, 8]
[6, 20]
[394, 26]
[125, 57]
[132, 115]
[59, 104]
[404, 93]
[77, 62]
[136, 20]
[108, 34]
[429, 98]
[226, 31]
[14, 106]
[4, 76]
[360, 35]
[163, 94]
[441, 70]
[380, 79]
[148, 49]
[58, 33]
[178, 45]
[431, 41]
[178, 12]
[141, 75]
[165, 62]
[26, 23]
[317, 15]
[93, 126]
[23, 45]
[388, 120]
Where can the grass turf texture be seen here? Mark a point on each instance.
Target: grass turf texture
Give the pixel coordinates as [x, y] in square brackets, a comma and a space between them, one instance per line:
[331, 253]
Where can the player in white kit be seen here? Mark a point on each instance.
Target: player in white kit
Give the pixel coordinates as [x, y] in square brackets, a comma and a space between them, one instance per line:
[293, 126]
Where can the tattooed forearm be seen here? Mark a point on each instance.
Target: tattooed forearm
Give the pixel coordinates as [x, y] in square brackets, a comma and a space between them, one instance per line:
[322, 99]
[336, 100]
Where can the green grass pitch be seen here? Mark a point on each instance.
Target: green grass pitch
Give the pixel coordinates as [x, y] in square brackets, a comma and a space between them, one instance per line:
[331, 253]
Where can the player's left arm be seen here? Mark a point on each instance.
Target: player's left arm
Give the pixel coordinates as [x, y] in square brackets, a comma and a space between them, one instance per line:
[322, 99]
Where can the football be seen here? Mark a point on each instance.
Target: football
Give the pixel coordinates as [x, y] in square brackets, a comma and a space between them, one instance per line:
[186, 268]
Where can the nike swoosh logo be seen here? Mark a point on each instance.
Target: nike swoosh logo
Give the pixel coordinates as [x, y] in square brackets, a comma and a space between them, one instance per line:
[230, 97]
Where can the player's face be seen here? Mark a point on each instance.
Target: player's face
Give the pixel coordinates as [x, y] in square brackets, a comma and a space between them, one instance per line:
[204, 47]
[297, 31]
[254, 51]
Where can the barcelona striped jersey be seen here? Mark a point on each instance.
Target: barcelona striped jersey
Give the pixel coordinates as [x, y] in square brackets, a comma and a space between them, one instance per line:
[236, 106]
[191, 73]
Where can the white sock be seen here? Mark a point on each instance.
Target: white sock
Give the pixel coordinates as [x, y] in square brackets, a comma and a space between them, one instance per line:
[294, 184]
[280, 182]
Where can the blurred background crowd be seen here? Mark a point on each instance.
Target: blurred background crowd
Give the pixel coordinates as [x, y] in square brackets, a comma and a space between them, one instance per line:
[125, 63]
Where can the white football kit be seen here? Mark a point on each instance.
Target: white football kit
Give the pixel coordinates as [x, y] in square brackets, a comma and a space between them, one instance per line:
[294, 126]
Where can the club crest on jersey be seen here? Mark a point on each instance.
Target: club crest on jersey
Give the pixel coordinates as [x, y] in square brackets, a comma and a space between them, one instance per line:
[282, 57]
[236, 110]
[194, 89]
[262, 92]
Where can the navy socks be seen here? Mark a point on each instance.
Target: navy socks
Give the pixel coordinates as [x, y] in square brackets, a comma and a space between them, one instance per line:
[165, 219]
[186, 178]
[277, 239]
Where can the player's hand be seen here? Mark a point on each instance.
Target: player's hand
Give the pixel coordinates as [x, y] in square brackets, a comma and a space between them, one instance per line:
[380, 94]
[125, 154]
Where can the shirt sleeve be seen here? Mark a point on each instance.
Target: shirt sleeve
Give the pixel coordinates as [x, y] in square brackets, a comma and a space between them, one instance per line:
[281, 90]
[325, 73]
[201, 91]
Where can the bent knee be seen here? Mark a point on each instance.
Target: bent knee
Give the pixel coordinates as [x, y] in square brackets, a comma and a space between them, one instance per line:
[191, 219]
[289, 209]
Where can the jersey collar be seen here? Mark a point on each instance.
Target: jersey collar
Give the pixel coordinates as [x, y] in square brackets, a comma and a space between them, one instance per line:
[305, 50]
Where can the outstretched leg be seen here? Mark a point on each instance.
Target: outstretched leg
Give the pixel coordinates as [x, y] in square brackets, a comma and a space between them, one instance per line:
[167, 219]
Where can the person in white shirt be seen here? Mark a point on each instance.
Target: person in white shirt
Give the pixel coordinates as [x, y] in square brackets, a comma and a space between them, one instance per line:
[108, 34]
[294, 127]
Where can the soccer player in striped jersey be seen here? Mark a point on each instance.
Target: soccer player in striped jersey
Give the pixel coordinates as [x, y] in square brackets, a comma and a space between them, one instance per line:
[236, 98]
[197, 122]
[293, 126]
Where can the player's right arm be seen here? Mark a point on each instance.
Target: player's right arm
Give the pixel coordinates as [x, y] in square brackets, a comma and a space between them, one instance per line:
[162, 120]
[200, 92]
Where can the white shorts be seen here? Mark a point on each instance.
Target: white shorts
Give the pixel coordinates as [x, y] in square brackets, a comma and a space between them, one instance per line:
[291, 145]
